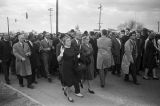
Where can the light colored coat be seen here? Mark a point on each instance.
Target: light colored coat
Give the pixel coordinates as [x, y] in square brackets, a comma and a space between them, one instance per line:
[104, 57]
[127, 57]
[23, 68]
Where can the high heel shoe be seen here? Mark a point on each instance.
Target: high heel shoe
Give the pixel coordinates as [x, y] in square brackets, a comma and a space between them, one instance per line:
[65, 93]
[70, 99]
[91, 91]
[155, 78]
[81, 85]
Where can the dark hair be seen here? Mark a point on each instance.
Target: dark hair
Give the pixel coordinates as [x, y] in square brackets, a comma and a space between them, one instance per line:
[85, 32]
[123, 31]
[104, 32]
[133, 32]
[72, 30]
[127, 29]
[91, 33]
[62, 35]
[30, 35]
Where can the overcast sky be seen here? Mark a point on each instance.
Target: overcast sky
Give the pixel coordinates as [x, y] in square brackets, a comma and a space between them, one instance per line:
[77, 12]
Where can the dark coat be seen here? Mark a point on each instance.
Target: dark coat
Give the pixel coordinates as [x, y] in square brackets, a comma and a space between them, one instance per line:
[123, 41]
[150, 55]
[75, 46]
[6, 51]
[139, 46]
[116, 47]
[34, 54]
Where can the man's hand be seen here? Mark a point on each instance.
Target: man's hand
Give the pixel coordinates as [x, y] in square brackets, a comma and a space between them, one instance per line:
[23, 59]
[0, 61]
[28, 53]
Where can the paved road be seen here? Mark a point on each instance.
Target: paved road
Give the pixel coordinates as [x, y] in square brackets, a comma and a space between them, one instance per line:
[116, 93]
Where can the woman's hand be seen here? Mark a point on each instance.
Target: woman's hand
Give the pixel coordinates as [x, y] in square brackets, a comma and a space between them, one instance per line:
[61, 51]
[28, 53]
[78, 56]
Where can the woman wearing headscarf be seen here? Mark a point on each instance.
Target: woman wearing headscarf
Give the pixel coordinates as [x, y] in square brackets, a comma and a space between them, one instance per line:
[87, 58]
[104, 57]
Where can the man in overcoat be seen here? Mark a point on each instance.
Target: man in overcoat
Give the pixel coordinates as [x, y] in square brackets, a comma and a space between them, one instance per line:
[22, 52]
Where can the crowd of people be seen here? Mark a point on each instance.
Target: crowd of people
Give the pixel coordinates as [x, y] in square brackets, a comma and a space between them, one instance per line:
[79, 57]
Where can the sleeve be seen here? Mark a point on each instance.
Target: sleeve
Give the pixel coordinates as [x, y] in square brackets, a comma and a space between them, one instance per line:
[15, 52]
[1, 50]
[128, 51]
[58, 50]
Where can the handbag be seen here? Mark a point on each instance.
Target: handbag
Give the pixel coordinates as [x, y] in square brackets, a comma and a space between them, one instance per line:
[81, 67]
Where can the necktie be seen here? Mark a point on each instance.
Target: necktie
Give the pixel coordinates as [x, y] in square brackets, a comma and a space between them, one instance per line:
[23, 45]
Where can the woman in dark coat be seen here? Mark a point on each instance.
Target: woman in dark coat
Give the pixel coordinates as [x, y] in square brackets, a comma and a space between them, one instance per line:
[67, 56]
[150, 57]
[88, 60]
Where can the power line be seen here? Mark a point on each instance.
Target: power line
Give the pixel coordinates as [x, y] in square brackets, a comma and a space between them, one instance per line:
[50, 14]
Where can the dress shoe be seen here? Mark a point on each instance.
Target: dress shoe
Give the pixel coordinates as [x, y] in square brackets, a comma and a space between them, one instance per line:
[136, 83]
[126, 79]
[49, 80]
[102, 86]
[146, 78]
[30, 86]
[8, 82]
[79, 95]
[119, 75]
[113, 73]
[155, 78]
[35, 82]
[70, 99]
[21, 85]
[91, 91]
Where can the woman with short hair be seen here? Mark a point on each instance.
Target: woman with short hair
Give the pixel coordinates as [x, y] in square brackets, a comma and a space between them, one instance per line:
[67, 57]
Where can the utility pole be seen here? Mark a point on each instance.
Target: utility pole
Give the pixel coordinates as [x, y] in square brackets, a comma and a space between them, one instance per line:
[8, 24]
[100, 8]
[56, 17]
[50, 14]
[158, 26]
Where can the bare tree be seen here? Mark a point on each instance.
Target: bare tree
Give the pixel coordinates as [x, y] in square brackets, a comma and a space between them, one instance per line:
[131, 24]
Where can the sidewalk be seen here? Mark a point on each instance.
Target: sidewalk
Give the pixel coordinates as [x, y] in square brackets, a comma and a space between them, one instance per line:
[116, 93]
